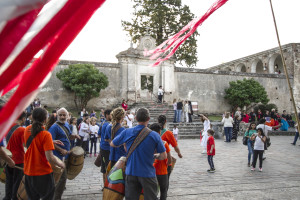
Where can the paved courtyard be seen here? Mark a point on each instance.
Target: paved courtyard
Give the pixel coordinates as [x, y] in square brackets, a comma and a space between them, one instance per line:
[233, 179]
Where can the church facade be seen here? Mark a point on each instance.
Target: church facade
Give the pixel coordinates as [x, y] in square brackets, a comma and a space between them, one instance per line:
[133, 79]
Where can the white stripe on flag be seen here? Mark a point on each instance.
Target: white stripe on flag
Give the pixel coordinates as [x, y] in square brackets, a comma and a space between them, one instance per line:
[47, 13]
[10, 9]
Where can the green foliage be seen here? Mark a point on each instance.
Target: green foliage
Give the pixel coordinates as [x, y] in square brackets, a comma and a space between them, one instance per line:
[84, 80]
[244, 92]
[161, 19]
[263, 107]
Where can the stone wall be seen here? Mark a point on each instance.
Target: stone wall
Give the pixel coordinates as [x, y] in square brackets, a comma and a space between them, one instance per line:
[53, 94]
[208, 88]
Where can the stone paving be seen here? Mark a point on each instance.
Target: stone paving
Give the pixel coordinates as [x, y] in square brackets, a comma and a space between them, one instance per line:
[233, 179]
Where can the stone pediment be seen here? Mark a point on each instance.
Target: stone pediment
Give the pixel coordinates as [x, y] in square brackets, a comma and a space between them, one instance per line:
[146, 43]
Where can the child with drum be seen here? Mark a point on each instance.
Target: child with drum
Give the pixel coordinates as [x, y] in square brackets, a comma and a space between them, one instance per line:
[161, 166]
[211, 149]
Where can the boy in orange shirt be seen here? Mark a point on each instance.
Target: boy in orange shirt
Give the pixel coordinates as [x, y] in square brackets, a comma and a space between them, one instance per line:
[161, 166]
[15, 144]
[211, 150]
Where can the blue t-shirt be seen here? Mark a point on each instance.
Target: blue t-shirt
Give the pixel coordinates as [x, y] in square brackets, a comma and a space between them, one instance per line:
[140, 163]
[115, 153]
[103, 145]
[58, 134]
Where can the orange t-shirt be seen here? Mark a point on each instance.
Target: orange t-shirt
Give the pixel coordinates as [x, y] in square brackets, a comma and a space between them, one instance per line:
[161, 166]
[36, 163]
[169, 138]
[15, 145]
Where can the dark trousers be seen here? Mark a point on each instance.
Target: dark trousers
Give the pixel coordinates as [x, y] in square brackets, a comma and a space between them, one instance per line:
[60, 187]
[163, 182]
[85, 146]
[40, 187]
[86, 149]
[190, 117]
[175, 115]
[257, 153]
[160, 98]
[93, 143]
[135, 184]
[228, 133]
[210, 161]
[296, 137]
[104, 160]
[79, 141]
[13, 179]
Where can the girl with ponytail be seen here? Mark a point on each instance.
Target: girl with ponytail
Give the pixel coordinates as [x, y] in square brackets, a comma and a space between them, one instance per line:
[39, 181]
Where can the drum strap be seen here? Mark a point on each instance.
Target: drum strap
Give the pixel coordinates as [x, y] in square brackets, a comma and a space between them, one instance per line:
[114, 130]
[10, 133]
[65, 130]
[138, 140]
[29, 141]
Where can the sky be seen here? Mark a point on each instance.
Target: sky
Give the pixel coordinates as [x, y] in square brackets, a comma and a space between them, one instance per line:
[237, 29]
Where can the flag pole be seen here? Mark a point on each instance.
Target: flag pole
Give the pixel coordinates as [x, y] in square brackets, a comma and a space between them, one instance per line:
[285, 69]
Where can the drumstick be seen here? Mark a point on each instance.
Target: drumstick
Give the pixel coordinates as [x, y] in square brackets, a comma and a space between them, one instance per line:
[20, 168]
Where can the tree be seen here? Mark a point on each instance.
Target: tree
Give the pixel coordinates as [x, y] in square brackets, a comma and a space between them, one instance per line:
[161, 19]
[84, 80]
[244, 92]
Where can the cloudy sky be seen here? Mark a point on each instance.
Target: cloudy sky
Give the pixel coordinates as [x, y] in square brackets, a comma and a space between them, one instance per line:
[239, 28]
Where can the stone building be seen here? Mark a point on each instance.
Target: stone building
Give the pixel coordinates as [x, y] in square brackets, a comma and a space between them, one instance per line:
[134, 79]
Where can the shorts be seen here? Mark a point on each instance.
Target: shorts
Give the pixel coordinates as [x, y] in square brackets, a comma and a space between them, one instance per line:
[104, 159]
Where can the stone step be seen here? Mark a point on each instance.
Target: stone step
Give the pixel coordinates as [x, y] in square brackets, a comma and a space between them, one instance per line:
[184, 137]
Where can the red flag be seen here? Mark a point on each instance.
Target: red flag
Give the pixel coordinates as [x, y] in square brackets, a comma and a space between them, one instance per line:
[52, 30]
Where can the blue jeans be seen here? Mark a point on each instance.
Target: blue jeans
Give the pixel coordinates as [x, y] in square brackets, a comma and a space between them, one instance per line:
[210, 161]
[175, 116]
[179, 115]
[250, 149]
[228, 133]
[296, 138]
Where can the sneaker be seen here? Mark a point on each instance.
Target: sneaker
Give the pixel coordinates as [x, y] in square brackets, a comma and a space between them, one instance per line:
[90, 155]
[293, 144]
[95, 155]
[264, 158]
[252, 169]
[210, 170]
[248, 164]
[203, 152]
[260, 169]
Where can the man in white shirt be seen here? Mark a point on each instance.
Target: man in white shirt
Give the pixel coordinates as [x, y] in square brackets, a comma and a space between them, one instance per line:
[129, 118]
[160, 94]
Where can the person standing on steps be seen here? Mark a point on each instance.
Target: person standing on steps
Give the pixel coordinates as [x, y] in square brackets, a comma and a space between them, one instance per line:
[160, 94]
[179, 110]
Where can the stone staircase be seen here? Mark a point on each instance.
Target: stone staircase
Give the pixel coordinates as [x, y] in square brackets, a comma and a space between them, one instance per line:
[156, 109]
[186, 130]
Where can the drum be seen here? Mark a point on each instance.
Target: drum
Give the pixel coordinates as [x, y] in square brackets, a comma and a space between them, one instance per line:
[75, 162]
[114, 187]
[2, 166]
[57, 171]
[21, 194]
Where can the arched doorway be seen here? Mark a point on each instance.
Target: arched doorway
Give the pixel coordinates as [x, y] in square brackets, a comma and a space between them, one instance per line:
[275, 64]
[240, 68]
[257, 66]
